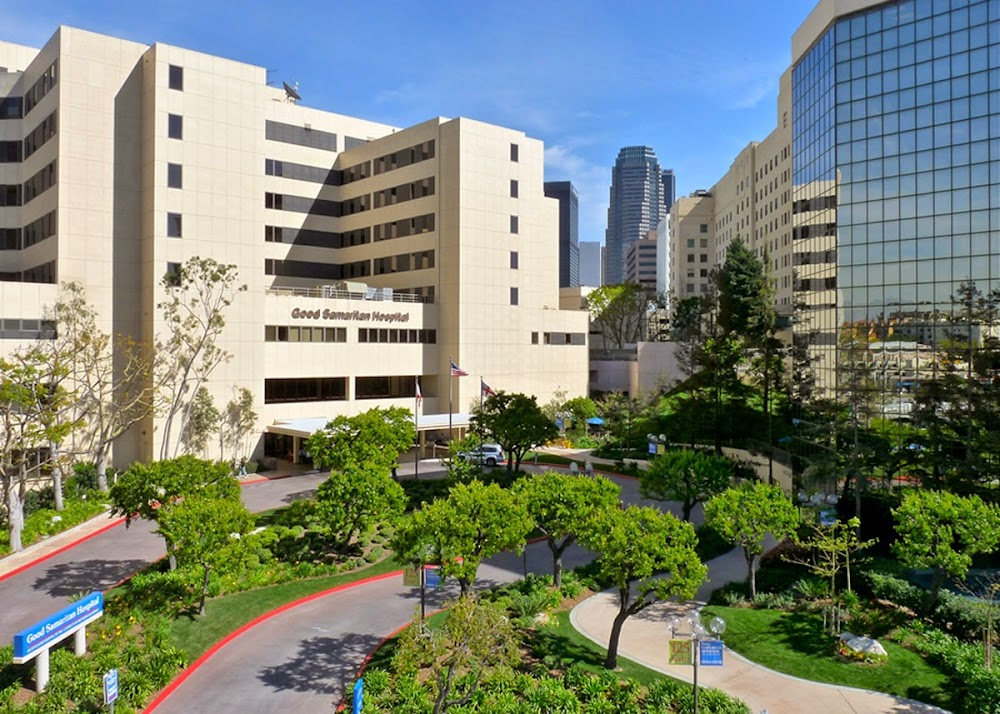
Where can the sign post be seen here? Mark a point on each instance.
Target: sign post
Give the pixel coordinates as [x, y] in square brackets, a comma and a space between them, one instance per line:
[33, 643]
[358, 698]
[111, 689]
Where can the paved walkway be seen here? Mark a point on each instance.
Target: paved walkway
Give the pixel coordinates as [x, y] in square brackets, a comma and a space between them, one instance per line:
[644, 640]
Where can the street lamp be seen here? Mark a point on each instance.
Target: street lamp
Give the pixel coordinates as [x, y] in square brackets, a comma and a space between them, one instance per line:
[698, 632]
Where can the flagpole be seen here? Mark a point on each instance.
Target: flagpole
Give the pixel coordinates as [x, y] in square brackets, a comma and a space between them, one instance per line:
[450, 410]
[416, 424]
[480, 411]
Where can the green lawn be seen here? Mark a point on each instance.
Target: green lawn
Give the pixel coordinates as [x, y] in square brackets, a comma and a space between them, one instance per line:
[795, 643]
[226, 614]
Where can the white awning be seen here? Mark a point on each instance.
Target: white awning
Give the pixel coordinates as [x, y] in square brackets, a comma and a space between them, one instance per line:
[307, 426]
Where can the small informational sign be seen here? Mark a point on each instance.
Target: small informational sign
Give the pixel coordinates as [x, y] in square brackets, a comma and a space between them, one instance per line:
[111, 686]
[55, 628]
[652, 447]
[411, 577]
[681, 652]
[710, 653]
[432, 576]
[359, 696]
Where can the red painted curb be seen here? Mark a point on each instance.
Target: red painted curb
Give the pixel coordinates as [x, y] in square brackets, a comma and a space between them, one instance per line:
[61, 549]
[169, 689]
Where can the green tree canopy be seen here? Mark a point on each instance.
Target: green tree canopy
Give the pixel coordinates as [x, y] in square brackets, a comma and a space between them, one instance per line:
[207, 532]
[744, 516]
[516, 423]
[688, 476]
[648, 556]
[474, 522]
[561, 505]
[942, 531]
[746, 301]
[356, 498]
[374, 438]
[619, 311]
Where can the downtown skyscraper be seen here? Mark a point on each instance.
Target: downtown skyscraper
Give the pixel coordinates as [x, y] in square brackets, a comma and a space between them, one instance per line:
[636, 205]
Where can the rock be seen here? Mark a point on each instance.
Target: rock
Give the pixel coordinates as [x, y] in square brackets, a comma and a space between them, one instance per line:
[867, 645]
[846, 636]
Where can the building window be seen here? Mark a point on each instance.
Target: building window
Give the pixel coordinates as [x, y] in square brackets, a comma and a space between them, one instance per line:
[307, 389]
[513, 296]
[513, 224]
[175, 126]
[703, 228]
[703, 257]
[177, 78]
[690, 257]
[173, 274]
[513, 260]
[690, 242]
[175, 176]
[173, 225]
[704, 242]
[513, 188]
[513, 152]
[534, 338]
[385, 387]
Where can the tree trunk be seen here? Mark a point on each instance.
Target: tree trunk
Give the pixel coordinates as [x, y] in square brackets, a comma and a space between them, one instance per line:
[57, 477]
[15, 517]
[204, 592]
[465, 587]
[751, 566]
[611, 661]
[102, 469]
[686, 511]
[171, 557]
[557, 554]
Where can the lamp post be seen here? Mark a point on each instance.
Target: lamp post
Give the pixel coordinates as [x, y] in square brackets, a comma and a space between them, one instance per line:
[698, 632]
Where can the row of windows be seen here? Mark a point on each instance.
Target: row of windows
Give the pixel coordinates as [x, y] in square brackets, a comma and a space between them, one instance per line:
[808, 284]
[301, 136]
[300, 172]
[404, 227]
[10, 152]
[394, 336]
[322, 239]
[404, 262]
[322, 389]
[26, 329]
[399, 159]
[818, 203]
[316, 206]
[37, 230]
[319, 271]
[45, 130]
[10, 195]
[41, 87]
[40, 183]
[814, 230]
[560, 338]
[11, 107]
[298, 333]
[821, 256]
[404, 192]
[44, 273]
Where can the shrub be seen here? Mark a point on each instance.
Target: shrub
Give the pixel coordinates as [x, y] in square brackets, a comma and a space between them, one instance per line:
[774, 601]
[961, 616]
[571, 587]
[979, 687]
[37, 500]
[84, 478]
[811, 588]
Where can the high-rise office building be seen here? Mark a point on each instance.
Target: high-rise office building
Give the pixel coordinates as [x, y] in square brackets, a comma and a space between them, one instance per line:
[896, 172]
[640, 262]
[368, 260]
[669, 183]
[590, 264]
[635, 207]
[569, 231]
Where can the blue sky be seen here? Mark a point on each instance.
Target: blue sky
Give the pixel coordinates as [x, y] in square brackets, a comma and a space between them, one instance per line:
[695, 80]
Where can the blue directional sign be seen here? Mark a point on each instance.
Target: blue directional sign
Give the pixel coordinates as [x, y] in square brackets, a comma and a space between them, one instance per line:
[432, 576]
[31, 641]
[359, 695]
[710, 653]
[111, 686]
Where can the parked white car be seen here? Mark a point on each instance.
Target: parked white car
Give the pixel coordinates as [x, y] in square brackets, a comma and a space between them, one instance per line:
[489, 454]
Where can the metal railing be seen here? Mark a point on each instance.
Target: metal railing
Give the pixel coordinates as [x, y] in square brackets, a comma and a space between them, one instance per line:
[330, 293]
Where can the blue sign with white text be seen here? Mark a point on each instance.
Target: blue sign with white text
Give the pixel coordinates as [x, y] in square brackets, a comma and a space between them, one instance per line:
[359, 695]
[432, 576]
[710, 653]
[111, 686]
[54, 628]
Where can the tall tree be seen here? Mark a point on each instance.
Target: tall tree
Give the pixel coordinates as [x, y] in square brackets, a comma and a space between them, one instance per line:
[208, 532]
[746, 300]
[372, 439]
[744, 516]
[356, 498]
[647, 556]
[516, 423]
[30, 411]
[688, 476]
[942, 531]
[686, 329]
[562, 505]
[193, 312]
[619, 311]
[457, 533]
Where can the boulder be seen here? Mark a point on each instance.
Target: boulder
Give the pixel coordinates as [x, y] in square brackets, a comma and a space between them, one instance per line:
[866, 645]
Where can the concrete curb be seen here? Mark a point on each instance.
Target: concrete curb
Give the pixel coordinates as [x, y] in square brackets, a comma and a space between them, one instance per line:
[190, 669]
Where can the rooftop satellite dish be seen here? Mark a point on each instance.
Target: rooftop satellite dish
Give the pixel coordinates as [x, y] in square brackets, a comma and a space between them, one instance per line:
[292, 93]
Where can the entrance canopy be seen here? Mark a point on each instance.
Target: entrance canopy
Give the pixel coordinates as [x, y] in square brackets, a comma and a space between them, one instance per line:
[306, 427]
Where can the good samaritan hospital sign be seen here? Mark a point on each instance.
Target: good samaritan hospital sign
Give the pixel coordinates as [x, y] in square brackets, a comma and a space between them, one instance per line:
[351, 315]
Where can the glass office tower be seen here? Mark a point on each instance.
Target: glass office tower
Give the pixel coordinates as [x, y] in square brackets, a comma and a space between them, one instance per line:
[896, 195]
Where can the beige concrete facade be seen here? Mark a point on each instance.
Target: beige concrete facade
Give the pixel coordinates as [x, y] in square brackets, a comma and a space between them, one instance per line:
[692, 244]
[640, 262]
[447, 219]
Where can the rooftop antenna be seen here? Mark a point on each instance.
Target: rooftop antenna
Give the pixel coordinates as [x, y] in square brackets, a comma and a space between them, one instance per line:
[292, 93]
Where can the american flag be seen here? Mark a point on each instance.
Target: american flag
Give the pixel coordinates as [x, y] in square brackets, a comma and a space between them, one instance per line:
[486, 389]
[420, 397]
[457, 371]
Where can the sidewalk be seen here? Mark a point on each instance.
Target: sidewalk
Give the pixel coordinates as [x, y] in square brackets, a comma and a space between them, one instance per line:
[644, 640]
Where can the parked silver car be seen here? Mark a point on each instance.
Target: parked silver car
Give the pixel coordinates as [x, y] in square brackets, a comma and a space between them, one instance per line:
[489, 454]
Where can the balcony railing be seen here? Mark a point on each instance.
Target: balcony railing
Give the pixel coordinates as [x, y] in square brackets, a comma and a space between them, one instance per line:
[329, 292]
